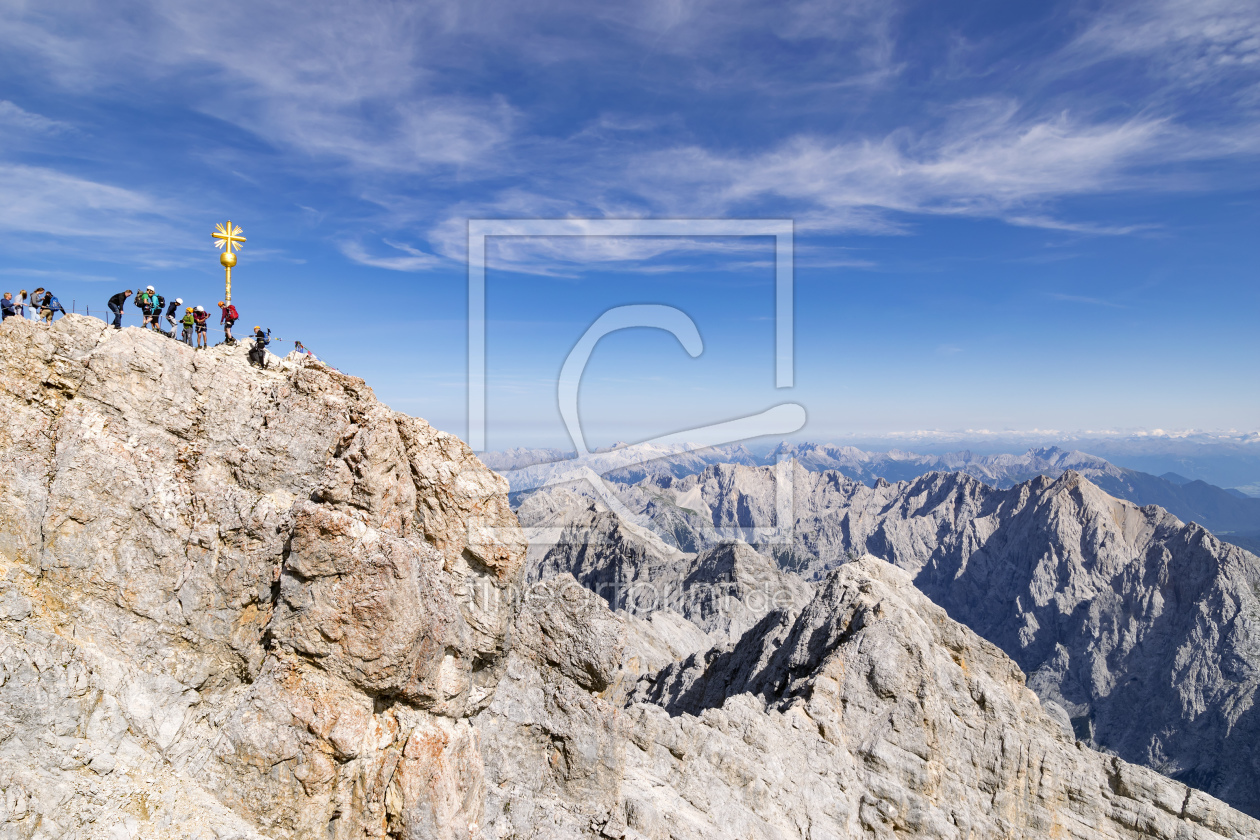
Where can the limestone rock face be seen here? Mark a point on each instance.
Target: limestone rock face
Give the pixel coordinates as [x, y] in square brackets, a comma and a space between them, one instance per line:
[243, 604]
[723, 590]
[1143, 629]
[870, 714]
[555, 741]
[236, 603]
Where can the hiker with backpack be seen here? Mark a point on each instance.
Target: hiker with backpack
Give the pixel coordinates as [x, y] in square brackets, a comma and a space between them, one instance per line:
[227, 320]
[156, 303]
[144, 302]
[170, 315]
[200, 317]
[49, 307]
[188, 325]
[116, 304]
[258, 353]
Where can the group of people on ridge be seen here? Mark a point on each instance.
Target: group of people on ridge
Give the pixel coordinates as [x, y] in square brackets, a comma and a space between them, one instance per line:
[194, 320]
[41, 305]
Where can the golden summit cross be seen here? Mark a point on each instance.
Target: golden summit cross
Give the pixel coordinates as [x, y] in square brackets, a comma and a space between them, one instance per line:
[227, 235]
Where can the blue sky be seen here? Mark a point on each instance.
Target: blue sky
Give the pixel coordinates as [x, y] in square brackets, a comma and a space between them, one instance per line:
[1008, 216]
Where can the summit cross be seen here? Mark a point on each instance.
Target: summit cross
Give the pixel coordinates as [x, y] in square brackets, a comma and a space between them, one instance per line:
[227, 235]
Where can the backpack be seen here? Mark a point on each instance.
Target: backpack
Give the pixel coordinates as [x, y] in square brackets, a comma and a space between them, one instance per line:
[231, 313]
[141, 300]
[161, 301]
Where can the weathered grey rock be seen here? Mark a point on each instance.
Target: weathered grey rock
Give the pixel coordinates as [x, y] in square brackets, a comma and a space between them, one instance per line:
[554, 742]
[236, 603]
[1144, 629]
[723, 590]
[1228, 512]
[258, 604]
[872, 714]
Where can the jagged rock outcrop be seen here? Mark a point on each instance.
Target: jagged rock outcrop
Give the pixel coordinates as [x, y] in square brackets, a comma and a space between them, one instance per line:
[1225, 512]
[724, 590]
[236, 603]
[1146, 630]
[872, 714]
[557, 742]
[259, 604]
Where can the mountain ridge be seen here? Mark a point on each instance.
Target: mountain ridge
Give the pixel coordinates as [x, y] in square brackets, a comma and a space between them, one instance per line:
[1218, 509]
[1145, 629]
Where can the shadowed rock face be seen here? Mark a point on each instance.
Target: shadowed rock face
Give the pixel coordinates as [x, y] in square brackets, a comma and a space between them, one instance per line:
[236, 603]
[723, 590]
[870, 714]
[259, 604]
[1144, 629]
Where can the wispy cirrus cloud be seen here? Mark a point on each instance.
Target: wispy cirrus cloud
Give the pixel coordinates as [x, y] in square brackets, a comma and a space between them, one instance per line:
[58, 212]
[46, 201]
[430, 114]
[1000, 167]
[406, 258]
[14, 117]
[991, 162]
[1191, 42]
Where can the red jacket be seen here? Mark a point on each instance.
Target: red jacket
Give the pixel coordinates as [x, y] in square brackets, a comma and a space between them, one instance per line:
[201, 317]
[229, 314]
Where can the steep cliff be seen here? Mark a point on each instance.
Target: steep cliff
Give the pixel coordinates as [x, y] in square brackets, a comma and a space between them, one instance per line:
[1145, 629]
[871, 714]
[236, 603]
[259, 604]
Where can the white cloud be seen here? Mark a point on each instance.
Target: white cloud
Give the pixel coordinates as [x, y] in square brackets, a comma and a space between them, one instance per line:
[386, 94]
[987, 162]
[64, 213]
[415, 259]
[1000, 167]
[40, 200]
[1191, 41]
[339, 83]
[15, 117]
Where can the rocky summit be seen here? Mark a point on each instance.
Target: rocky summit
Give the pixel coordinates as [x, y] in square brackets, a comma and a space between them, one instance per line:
[237, 603]
[243, 603]
[1141, 629]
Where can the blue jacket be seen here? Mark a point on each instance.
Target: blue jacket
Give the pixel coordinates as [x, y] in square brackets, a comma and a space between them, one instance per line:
[7, 306]
[52, 303]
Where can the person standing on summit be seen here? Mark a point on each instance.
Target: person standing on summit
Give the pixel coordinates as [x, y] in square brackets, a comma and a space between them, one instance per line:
[171, 314]
[50, 307]
[37, 302]
[116, 304]
[200, 316]
[144, 302]
[156, 302]
[188, 325]
[227, 320]
[258, 353]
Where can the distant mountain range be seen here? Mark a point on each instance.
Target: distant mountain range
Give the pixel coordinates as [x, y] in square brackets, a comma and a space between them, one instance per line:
[1143, 629]
[1231, 514]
